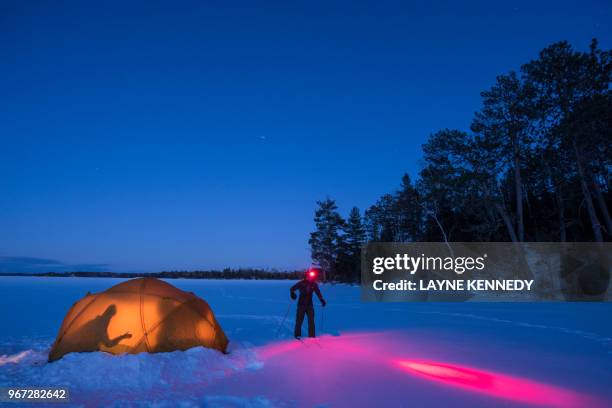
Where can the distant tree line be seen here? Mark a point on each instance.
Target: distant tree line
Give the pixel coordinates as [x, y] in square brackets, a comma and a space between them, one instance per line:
[243, 273]
[535, 166]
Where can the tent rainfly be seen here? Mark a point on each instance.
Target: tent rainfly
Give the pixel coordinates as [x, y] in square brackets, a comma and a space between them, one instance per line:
[138, 315]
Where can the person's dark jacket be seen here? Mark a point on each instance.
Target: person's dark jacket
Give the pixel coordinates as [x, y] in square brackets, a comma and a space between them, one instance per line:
[306, 288]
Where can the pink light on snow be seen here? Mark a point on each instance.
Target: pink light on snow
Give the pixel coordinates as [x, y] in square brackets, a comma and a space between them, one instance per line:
[313, 372]
[498, 385]
[274, 349]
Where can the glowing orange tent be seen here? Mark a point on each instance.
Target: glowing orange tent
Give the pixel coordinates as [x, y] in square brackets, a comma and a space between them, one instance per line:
[138, 315]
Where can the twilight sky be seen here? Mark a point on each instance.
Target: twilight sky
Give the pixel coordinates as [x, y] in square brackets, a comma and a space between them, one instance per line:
[152, 136]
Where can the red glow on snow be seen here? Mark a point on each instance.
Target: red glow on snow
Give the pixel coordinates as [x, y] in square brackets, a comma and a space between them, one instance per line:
[497, 385]
[354, 360]
[274, 349]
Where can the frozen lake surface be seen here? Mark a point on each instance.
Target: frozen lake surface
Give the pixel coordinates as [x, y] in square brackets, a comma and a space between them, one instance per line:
[384, 354]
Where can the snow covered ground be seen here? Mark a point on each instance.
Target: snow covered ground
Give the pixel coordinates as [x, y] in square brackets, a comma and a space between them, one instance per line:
[391, 354]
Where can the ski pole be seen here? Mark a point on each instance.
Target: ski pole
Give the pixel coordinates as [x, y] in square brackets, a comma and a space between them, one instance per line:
[283, 321]
[322, 319]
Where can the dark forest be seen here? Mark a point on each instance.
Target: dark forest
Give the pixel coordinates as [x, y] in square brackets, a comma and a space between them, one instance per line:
[534, 166]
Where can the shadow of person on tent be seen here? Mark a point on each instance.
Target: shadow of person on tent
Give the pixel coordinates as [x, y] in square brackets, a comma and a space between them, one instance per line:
[93, 335]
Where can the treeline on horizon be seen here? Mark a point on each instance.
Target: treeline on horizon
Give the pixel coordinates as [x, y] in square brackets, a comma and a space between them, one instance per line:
[227, 273]
[535, 166]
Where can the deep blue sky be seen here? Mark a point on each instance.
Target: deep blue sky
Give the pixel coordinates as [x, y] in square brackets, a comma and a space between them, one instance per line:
[149, 136]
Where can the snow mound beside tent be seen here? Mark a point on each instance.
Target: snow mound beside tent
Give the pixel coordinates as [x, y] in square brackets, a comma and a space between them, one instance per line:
[109, 379]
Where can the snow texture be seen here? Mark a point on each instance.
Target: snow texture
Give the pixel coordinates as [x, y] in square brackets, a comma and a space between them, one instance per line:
[383, 354]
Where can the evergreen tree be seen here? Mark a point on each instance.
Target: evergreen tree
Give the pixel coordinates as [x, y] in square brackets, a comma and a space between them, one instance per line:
[381, 220]
[505, 120]
[326, 241]
[354, 238]
[444, 188]
[536, 167]
[409, 211]
[564, 80]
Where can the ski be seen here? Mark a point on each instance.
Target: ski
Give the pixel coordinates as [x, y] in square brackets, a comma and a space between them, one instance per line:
[302, 341]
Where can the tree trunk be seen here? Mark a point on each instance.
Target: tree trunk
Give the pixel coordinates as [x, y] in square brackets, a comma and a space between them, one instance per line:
[518, 191]
[561, 210]
[501, 210]
[520, 255]
[433, 215]
[507, 221]
[602, 206]
[523, 265]
[560, 204]
[587, 197]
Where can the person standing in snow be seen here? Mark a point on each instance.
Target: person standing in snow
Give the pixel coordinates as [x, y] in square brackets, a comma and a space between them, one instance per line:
[306, 286]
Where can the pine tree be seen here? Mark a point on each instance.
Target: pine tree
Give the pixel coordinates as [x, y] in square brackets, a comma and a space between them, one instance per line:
[505, 121]
[355, 237]
[409, 211]
[565, 80]
[382, 221]
[355, 231]
[326, 241]
[536, 166]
